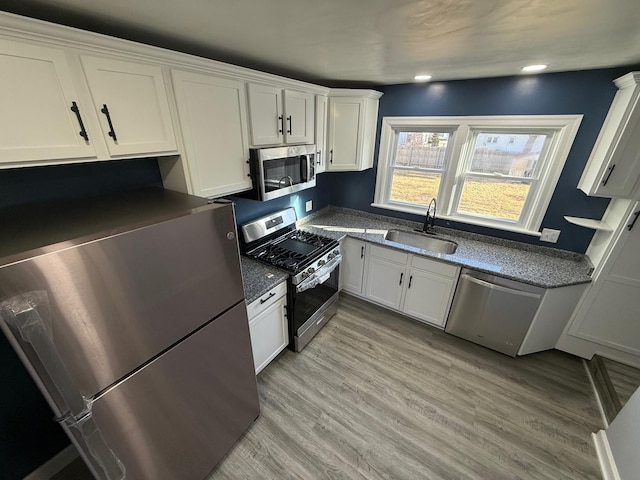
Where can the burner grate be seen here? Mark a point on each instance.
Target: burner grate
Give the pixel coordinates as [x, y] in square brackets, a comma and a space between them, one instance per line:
[294, 251]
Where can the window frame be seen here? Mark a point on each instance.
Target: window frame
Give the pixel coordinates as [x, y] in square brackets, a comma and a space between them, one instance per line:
[461, 143]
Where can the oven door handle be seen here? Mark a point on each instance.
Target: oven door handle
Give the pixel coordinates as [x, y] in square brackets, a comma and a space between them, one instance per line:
[320, 276]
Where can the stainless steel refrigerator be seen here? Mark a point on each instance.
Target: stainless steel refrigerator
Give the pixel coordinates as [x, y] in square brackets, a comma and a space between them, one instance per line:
[135, 329]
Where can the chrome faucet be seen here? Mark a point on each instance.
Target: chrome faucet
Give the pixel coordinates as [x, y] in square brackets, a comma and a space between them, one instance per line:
[430, 218]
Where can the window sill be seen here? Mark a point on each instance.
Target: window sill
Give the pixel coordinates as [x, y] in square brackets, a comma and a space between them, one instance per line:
[479, 223]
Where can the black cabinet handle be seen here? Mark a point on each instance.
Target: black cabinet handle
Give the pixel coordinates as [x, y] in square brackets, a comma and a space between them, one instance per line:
[410, 278]
[265, 300]
[281, 120]
[331, 156]
[609, 172]
[290, 124]
[401, 275]
[112, 132]
[635, 219]
[83, 132]
[362, 251]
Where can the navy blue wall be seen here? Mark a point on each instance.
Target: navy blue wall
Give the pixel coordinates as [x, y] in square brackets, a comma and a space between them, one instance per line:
[587, 92]
[248, 209]
[28, 435]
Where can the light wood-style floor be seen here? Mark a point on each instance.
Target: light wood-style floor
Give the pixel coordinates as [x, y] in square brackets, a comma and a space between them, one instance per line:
[378, 396]
[625, 379]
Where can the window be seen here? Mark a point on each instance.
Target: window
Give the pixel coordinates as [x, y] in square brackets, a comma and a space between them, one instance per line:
[493, 171]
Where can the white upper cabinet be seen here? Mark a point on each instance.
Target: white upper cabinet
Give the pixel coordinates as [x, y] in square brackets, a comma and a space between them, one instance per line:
[132, 104]
[614, 165]
[298, 117]
[267, 121]
[280, 116]
[212, 115]
[37, 95]
[353, 120]
[322, 115]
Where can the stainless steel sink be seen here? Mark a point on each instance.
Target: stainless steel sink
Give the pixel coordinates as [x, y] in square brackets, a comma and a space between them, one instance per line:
[421, 240]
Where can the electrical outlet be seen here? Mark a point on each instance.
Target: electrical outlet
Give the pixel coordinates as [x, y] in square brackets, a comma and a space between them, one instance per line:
[309, 206]
[549, 235]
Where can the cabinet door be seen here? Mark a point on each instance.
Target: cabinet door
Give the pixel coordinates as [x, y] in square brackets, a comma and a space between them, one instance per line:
[322, 103]
[36, 95]
[614, 164]
[428, 296]
[265, 115]
[299, 117]
[346, 117]
[610, 313]
[385, 281]
[132, 106]
[212, 117]
[623, 166]
[352, 268]
[269, 333]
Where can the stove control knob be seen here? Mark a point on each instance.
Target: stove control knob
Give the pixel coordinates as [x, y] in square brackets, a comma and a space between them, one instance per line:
[336, 253]
[305, 274]
[321, 263]
[330, 256]
[310, 270]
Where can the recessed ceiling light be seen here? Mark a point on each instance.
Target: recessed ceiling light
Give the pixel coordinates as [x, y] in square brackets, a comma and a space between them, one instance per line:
[534, 68]
[422, 78]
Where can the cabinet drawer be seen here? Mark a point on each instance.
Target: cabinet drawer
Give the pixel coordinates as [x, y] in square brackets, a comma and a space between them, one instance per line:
[266, 300]
[434, 266]
[389, 254]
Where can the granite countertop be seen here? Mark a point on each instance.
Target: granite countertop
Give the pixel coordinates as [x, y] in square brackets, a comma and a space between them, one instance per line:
[258, 278]
[536, 265]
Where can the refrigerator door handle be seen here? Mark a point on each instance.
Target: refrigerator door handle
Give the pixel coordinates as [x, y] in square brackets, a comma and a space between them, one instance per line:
[103, 461]
[21, 314]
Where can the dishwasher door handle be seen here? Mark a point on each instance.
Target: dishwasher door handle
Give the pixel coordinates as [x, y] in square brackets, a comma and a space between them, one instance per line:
[499, 288]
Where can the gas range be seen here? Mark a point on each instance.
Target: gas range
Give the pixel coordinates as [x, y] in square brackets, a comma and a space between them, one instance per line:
[312, 262]
[298, 252]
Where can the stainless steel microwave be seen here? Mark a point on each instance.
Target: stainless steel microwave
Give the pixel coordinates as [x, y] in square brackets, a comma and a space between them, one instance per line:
[281, 171]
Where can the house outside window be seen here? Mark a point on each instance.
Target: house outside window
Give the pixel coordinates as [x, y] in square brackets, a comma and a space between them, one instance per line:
[492, 171]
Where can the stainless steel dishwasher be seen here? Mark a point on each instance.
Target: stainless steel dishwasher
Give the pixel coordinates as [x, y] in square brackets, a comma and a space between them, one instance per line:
[493, 311]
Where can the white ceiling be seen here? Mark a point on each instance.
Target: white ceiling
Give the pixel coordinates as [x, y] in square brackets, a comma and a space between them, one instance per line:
[376, 41]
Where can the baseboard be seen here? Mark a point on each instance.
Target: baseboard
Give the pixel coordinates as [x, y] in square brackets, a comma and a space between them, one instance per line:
[603, 415]
[605, 457]
[54, 464]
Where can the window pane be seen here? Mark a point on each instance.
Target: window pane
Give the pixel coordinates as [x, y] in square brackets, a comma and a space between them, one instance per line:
[414, 187]
[421, 149]
[494, 198]
[507, 154]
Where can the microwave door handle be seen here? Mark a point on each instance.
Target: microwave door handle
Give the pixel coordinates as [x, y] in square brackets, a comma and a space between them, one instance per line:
[308, 174]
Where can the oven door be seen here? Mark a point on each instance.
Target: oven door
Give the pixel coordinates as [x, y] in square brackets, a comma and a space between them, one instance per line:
[282, 171]
[310, 309]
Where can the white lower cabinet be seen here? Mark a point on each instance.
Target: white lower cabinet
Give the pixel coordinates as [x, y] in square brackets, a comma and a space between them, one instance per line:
[417, 286]
[429, 293]
[268, 326]
[352, 267]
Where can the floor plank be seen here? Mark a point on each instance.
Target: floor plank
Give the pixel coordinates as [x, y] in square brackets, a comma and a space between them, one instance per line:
[625, 379]
[378, 396]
